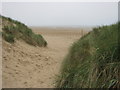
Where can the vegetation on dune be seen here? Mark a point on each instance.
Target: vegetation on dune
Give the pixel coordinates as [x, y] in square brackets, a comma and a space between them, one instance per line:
[93, 61]
[12, 30]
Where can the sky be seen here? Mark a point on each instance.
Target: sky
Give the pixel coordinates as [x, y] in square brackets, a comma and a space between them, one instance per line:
[62, 13]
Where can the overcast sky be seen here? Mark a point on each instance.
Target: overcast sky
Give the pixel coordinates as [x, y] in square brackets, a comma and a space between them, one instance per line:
[62, 13]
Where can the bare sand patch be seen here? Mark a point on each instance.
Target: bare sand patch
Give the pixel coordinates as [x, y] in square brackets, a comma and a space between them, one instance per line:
[26, 66]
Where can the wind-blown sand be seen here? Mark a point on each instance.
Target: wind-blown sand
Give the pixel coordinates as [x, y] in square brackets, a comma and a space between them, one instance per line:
[26, 66]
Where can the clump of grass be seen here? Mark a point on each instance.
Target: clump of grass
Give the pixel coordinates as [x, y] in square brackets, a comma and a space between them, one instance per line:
[8, 37]
[13, 29]
[93, 61]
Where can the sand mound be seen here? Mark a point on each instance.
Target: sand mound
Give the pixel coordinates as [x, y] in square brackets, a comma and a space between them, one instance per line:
[26, 66]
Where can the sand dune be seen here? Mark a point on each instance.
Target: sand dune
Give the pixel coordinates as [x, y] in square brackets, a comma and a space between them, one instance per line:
[26, 66]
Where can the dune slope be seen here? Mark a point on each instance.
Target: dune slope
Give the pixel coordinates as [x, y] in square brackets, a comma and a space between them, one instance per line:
[93, 61]
[27, 66]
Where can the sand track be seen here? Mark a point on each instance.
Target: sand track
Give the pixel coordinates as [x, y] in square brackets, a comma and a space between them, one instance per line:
[26, 66]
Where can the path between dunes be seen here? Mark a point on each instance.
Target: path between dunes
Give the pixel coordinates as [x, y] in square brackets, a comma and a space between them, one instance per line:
[26, 66]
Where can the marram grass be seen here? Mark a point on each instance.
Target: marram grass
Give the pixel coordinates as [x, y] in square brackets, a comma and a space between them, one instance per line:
[93, 61]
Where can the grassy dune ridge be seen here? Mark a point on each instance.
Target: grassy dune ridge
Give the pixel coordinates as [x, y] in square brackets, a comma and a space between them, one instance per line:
[12, 30]
[93, 61]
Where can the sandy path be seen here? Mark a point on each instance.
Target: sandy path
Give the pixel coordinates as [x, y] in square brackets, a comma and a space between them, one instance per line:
[28, 66]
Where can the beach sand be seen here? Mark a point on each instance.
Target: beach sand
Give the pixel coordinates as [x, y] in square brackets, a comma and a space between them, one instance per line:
[26, 66]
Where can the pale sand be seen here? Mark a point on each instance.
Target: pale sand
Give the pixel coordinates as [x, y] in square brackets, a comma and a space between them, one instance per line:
[26, 66]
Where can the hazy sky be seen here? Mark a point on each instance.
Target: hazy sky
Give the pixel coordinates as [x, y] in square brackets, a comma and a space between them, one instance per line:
[62, 13]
